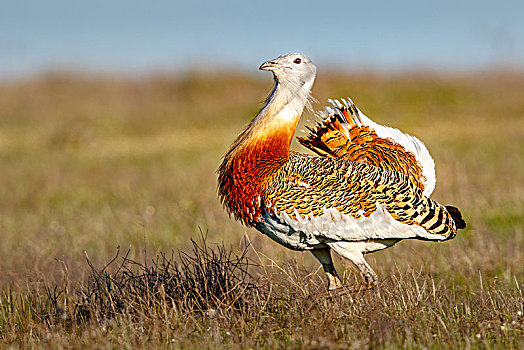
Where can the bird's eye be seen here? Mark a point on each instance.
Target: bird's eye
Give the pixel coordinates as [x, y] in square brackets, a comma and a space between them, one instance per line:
[297, 60]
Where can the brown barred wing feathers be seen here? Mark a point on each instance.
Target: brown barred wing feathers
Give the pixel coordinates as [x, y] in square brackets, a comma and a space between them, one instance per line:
[346, 200]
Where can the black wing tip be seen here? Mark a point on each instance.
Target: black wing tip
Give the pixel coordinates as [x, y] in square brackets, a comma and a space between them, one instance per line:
[456, 215]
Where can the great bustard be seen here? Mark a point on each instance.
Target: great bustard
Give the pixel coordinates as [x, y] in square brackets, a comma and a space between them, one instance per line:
[366, 189]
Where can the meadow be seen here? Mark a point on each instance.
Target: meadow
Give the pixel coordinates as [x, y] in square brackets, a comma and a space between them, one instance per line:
[92, 163]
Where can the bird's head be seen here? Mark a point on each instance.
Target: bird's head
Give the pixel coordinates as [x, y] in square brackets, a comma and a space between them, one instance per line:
[292, 68]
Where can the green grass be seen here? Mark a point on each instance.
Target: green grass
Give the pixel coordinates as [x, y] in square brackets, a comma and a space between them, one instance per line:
[92, 163]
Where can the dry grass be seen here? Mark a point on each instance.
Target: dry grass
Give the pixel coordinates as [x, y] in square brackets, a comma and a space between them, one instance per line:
[89, 164]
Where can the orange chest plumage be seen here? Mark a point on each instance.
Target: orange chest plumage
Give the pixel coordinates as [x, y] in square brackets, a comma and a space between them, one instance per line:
[244, 176]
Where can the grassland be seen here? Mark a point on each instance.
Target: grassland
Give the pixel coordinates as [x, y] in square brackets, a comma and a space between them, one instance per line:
[92, 163]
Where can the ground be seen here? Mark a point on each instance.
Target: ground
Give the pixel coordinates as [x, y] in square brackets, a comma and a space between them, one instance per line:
[92, 163]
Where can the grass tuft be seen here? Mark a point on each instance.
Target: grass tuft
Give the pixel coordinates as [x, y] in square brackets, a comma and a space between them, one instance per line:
[203, 282]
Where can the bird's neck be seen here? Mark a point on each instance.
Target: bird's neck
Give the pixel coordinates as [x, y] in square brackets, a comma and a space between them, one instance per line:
[271, 131]
[260, 151]
[275, 124]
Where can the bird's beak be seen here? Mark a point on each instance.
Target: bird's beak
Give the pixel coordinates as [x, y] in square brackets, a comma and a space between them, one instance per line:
[269, 65]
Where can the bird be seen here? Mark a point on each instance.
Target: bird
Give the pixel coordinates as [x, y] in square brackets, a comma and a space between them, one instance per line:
[365, 188]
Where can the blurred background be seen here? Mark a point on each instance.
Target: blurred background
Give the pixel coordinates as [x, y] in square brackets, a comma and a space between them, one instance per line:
[136, 37]
[114, 116]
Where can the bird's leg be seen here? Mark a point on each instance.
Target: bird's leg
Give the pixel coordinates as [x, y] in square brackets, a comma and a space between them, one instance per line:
[352, 252]
[324, 256]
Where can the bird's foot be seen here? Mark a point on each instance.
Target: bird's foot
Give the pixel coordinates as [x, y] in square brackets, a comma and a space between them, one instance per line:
[334, 282]
[371, 279]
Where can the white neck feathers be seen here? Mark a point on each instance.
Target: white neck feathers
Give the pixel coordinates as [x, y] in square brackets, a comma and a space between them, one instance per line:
[286, 102]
